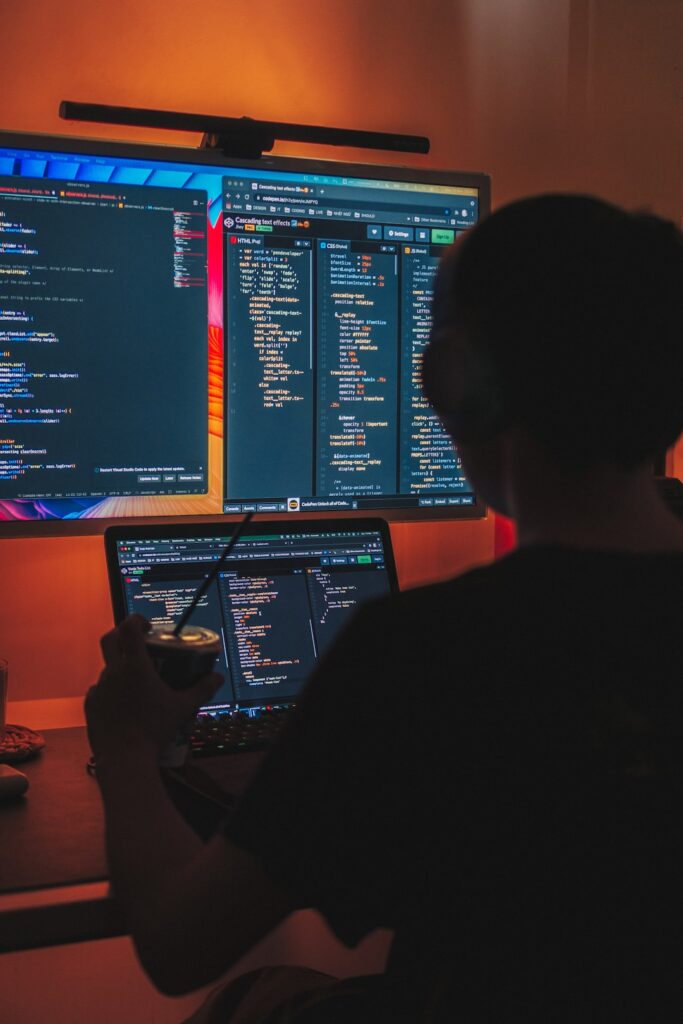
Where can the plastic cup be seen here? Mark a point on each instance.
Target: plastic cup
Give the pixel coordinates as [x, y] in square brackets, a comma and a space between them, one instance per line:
[181, 661]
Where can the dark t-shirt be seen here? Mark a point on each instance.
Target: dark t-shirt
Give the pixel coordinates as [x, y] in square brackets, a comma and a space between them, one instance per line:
[492, 767]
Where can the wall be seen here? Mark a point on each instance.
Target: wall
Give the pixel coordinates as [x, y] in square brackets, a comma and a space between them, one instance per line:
[565, 95]
[568, 94]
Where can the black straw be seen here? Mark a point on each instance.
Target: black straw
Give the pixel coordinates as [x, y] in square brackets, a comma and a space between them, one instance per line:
[203, 587]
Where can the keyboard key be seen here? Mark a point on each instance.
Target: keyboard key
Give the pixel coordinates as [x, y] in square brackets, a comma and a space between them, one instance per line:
[231, 733]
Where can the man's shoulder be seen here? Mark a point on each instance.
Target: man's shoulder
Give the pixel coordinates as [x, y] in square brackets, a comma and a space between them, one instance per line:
[467, 598]
[527, 584]
[478, 584]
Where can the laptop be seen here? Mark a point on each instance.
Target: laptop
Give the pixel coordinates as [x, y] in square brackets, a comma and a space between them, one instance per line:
[280, 599]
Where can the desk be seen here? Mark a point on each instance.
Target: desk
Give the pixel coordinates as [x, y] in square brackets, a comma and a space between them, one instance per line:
[54, 890]
[53, 872]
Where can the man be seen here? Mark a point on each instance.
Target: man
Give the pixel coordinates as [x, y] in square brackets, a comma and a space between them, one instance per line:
[515, 818]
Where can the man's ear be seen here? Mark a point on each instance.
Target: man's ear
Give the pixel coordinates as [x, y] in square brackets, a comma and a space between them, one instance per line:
[461, 386]
[443, 373]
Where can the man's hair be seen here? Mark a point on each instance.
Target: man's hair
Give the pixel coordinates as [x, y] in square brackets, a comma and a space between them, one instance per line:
[573, 309]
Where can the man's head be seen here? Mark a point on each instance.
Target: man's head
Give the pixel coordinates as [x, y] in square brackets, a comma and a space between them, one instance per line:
[562, 316]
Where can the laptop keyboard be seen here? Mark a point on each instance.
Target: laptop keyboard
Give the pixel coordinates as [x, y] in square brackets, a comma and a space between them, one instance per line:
[234, 732]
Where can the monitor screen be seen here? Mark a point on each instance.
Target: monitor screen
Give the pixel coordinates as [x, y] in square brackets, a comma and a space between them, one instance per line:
[281, 597]
[186, 335]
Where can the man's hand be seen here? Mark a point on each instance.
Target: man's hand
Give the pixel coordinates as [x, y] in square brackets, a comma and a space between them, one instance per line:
[170, 884]
[131, 709]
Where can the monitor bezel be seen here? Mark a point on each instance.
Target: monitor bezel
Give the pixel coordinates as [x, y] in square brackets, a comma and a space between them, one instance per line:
[114, 534]
[97, 146]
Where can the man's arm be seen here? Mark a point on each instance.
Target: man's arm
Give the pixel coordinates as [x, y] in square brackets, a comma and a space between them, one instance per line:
[193, 909]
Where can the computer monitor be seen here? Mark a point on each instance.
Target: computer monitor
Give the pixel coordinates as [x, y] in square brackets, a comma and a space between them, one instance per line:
[184, 334]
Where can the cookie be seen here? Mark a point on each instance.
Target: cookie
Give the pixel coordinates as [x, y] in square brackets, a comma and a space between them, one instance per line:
[19, 743]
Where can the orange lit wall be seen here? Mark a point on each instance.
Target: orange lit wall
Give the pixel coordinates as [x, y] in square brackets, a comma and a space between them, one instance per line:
[565, 95]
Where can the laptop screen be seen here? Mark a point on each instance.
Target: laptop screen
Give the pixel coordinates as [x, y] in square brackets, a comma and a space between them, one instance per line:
[280, 599]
